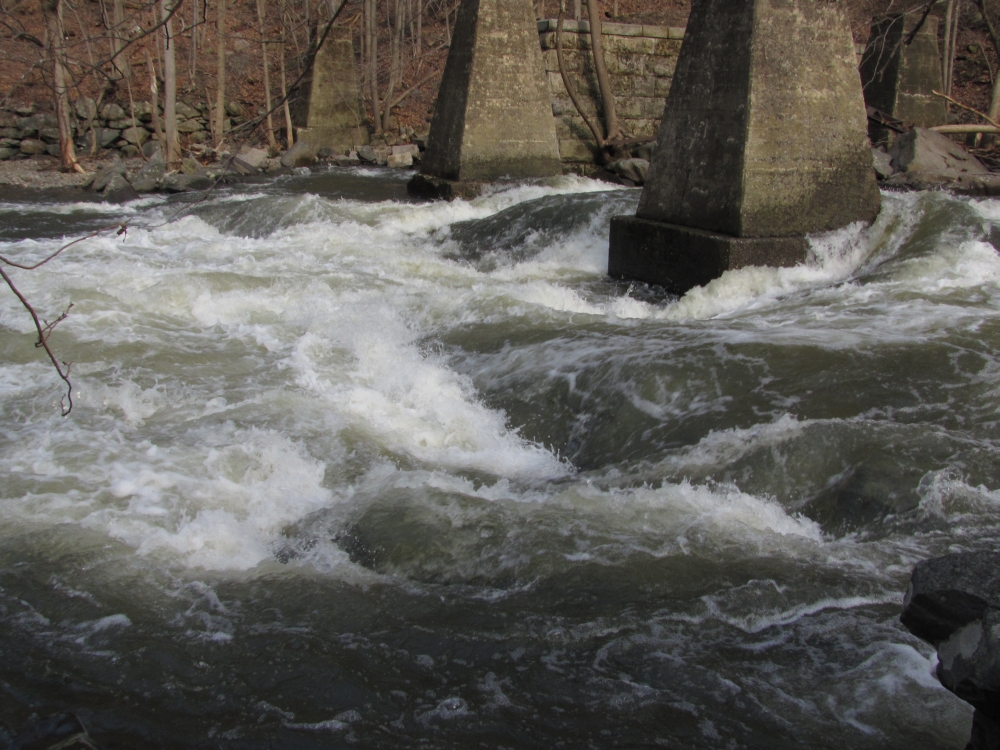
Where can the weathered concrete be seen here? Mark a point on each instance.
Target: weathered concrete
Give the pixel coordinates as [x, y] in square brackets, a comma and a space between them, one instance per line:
[494, 117]
[763, 136]
[332, 113]
[898, 78]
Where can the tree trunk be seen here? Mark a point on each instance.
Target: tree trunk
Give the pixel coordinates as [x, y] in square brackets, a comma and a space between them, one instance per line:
[289, 130]
[171, 145]
[418, 40]
[193, 57]
[220, 78]
[154, 95]
[267, 75]
[577, 9]
[119, 41]
[52, 11]
[396, 52]
[601, 69]
[372, 29]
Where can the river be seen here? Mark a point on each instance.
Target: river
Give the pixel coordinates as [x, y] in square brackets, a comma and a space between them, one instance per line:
[346, 470]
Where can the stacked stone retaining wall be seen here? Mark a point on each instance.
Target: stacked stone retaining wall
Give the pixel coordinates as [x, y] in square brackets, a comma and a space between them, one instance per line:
[641, 61]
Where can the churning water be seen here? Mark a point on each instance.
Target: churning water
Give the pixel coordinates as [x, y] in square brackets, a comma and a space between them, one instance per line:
[350, 471]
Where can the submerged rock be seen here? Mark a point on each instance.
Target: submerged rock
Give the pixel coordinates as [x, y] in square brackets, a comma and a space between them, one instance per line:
[953, 603]
[59, 731]
[634, 170]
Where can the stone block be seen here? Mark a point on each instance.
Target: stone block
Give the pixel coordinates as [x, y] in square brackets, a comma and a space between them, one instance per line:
[86, 108]
[622, 29]
[399, 161]
[662, 89]
[406, 148]
[8, 153]
[334, 113]
[680, 258]
[899, 79]
[185, 110]
[136, 136]
[667, 48]
[677, 32]
[112, 111]
[496, 117]
[49, 135]
[189, 126]
[645, 86]
[124, 122]
[32, 146]
[630, 63]
[636, 44]
[656, 32]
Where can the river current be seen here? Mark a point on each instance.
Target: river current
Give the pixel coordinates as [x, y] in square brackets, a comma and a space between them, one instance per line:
[346, 470]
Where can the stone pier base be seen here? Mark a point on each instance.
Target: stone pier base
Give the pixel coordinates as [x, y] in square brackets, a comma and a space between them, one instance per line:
[437, 188]
[680, 258]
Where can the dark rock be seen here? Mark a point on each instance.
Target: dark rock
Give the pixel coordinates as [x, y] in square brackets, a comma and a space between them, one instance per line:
[125, 122]
[634, 170]
[190, 126]
[302, 154]
[34, 123]
[119, 190]
[32, 146]
[135, 136]
[235, 109]
[953, 602]
[925, 151]
[63, 731]
[151, 148]
[242, 167]
[53, 149]
[367, 154]
[8, 153]
[112, 112]
[180, 183]
[186, 110]
[645, 151]
[10, 142]
[86, 108]
[11, 132]
[947, 593]
[7, 120]
[148, 178]
[429, 187]
[128, 150]
[102, 177]
[49, 135]
[105, 138]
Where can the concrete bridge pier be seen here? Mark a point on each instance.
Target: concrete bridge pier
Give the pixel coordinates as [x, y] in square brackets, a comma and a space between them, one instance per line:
[763, 141]
[493, 116]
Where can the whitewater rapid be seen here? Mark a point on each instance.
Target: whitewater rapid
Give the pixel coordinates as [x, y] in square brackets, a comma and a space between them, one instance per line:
[315, 415]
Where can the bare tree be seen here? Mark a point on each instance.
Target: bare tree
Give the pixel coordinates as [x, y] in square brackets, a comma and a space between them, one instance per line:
[261, 16]
[371, 29]
[601, 70]
[52, 11]
[220, 79]
[171, 147]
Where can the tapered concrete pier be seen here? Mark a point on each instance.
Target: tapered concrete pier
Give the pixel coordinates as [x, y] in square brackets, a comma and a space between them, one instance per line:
[493, 116]
[901, 70]
[333, 114]
[763, 140]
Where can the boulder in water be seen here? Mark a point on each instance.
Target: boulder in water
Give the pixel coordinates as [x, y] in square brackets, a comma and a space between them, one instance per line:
[634, 170]
[119, 190]
[925, 152]
[302, 154]
[953, 602]
[148, 178]
[102, 177]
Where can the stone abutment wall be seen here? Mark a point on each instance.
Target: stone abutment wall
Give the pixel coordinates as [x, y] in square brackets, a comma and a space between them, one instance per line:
[640, 60]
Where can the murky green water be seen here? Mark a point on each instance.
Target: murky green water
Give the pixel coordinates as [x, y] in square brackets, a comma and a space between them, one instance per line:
[350, 471]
